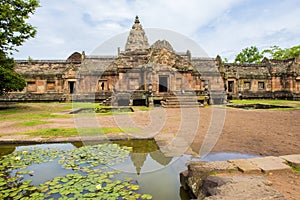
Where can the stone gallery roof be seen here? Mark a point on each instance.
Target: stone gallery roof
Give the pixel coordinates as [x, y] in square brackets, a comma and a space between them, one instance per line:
[137, 39]
[280, 67]
[44, 68]
[265, 69]
[248, 71]
[206, 66]
[99, 64]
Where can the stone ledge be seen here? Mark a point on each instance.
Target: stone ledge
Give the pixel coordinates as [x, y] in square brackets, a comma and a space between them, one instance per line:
[270, 163]
[293, 159]
[238, 187]
[200, 184]
[245, 166]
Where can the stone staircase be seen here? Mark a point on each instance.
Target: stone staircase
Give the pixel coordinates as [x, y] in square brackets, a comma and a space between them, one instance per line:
[180, 101]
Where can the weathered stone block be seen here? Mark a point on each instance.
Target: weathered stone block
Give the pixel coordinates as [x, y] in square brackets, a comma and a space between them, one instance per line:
[270, 163]
[238, 187]
[293, 159]
[245, 165]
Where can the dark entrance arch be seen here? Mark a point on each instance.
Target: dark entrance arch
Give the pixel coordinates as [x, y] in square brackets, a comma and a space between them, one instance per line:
[163, 84]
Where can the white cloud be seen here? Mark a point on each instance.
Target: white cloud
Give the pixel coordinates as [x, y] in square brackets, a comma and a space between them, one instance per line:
[220, 27]
[277, 24]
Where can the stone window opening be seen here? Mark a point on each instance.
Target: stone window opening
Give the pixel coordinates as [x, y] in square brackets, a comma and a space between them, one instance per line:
[230, 86]
[298, 85]
[102, 85]
[50, 85]
[247, 85]
[261, 85]
[31, 86]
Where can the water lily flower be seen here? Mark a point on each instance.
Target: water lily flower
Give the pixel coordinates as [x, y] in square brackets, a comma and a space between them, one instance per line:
[98, 187]
[18, 158]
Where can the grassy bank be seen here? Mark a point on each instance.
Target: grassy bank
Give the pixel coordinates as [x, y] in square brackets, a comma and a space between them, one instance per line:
[22, 116]
[67, 132]
[294, 104]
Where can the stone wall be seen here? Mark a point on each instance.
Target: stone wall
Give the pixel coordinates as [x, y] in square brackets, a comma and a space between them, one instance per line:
[270, 79]
[45, 80]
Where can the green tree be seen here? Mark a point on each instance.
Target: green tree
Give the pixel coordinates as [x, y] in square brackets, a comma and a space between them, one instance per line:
[249, 55]
[14, 31]
[275, 52]
[9, 79]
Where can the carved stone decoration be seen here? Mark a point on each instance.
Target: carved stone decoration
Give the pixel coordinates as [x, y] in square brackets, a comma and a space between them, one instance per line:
[162, 44]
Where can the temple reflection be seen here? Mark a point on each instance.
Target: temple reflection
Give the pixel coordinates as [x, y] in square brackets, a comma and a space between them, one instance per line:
[143, 150]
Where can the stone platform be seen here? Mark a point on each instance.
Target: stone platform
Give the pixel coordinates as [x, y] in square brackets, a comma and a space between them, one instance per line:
[206, 180]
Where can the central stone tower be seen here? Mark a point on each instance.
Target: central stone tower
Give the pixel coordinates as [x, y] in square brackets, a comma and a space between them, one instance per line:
[137, 39]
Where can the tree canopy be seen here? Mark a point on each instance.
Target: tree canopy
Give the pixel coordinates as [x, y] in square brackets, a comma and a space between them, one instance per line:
[253, 55]
[278, 53]
[249, 55]
[13, 23]
[9, 79]
[14, 31]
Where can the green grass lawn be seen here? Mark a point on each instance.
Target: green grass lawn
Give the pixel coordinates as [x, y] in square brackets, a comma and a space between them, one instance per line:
[32, 111]
[39, 111]
[294, 104]
[32, 123]
[67, 132]
[33, 114]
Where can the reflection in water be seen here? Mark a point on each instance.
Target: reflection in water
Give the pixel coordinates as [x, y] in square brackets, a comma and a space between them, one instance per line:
[6, 149]
[145, 155]
[159, 157]
[138, 160]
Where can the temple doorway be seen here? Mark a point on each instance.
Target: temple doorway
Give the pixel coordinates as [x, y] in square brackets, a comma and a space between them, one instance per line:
[163, 84]
[71, 87]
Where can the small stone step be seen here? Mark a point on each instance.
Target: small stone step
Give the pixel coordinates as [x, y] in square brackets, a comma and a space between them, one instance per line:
[293, 159]
[245, 166]
[180, 106]
[180, 101]
[270, 163]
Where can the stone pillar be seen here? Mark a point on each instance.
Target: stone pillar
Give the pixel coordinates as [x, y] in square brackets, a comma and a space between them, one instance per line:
[150, 100]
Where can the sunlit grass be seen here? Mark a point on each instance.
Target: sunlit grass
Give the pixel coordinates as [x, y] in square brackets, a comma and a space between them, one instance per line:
[51, 132]
[67, 132]
[143, 108]
[294, 104]
[34, 111]
[32, 123]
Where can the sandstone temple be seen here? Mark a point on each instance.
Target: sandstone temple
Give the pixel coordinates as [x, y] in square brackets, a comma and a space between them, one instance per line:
[145, 74]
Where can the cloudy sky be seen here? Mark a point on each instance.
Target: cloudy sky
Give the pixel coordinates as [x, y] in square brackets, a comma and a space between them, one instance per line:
[221, 27]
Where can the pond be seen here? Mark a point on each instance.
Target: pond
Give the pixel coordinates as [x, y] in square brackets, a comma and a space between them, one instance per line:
[257, 106]
[113, 170]
[110, 170]
[118, 109]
